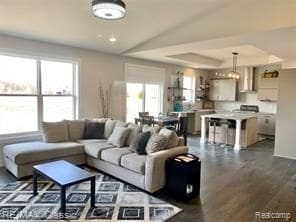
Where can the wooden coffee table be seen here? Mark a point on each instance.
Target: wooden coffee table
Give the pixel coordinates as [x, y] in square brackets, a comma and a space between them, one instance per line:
[64, 174]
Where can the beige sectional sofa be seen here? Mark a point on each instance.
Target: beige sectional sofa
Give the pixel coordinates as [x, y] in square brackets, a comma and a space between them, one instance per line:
[144, 171]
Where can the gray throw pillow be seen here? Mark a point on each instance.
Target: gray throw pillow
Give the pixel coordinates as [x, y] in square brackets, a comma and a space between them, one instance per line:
[152, 129]
[76, 129]
[134, 131]
[139, 143]
[118, 136]
[109, 127]
[171, 137]
[156, 143]
[55, 132]
[94, 130]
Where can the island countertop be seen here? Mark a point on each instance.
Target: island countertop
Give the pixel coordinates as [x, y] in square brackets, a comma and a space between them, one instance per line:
[231, 116]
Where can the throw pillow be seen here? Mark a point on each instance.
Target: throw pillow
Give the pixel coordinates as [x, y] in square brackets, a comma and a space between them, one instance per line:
[152, 129]
[94, 130]
[121, 124]
[139, 143]
[76, 129]
[109, 127]
[118, 136]
[171, 137]
[55, 132]
[134, 131]
[156, 143]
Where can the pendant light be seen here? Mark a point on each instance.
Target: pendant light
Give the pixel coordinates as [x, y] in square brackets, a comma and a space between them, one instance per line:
[234, 74]
[109, 9]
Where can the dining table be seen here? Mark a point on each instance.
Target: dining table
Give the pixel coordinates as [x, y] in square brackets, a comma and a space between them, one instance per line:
[162, 120]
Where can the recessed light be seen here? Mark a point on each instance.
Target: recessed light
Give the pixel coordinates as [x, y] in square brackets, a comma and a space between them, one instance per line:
[99, 35]
[112, 39]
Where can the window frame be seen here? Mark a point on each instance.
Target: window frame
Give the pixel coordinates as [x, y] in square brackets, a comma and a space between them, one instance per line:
[191, 89]
[144, 94]
[39, 96]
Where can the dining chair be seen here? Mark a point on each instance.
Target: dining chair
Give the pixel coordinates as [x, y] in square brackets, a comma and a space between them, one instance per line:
[142, 114]
[148, 120]
[182, 128]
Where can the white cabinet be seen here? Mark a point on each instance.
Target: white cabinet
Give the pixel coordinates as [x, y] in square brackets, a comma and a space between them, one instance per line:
[223, 90]
[266, 124]
[268, 88]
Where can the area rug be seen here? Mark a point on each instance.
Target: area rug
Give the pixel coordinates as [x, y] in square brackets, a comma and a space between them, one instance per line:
[115, 201]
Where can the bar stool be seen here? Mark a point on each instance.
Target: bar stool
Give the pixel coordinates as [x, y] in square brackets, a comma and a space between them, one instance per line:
[214, 123]
[226, 124]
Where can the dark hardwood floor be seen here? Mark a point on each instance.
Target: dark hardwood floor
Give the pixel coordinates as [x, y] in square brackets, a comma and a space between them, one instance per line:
[235, 184]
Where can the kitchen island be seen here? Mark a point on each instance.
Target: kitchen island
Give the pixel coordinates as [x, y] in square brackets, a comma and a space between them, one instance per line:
[243, 122]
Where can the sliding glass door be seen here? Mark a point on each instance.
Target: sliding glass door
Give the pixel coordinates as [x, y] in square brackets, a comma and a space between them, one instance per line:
[143, 97]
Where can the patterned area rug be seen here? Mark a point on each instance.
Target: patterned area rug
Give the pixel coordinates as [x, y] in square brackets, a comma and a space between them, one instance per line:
[115, 201]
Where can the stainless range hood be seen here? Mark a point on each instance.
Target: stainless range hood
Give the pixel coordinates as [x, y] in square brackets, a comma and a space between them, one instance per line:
[248, 80]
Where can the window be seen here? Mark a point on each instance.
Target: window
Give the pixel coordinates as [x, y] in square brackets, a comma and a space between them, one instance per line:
[143, 97]
[34, 90]
[188, 84]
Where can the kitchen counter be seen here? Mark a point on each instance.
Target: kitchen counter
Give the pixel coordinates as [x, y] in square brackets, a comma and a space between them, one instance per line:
[250, 131]
[231, 116]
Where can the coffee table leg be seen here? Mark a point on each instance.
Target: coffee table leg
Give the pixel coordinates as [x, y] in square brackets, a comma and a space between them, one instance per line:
[63, 200]
[92, 191]
[35, 185]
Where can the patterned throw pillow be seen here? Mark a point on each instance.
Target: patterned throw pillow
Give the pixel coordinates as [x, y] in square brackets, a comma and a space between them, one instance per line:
[156, 143]
[139, 143]
[171, 136]
[152, 129]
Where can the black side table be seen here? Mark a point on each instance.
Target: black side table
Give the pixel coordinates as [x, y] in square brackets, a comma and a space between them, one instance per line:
[183, 176]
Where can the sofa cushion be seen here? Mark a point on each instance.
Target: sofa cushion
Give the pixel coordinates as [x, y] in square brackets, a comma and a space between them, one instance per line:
[76, 129]
[134, 162]
[113, 155]
[139, 143]
[171, 137]
[55, 132]
[94, 130]
[23, 153]
[118, 137]
[156, 143]
[134, 131]
[109, 126]
[86, 141]
[152, 129]
[94, 149]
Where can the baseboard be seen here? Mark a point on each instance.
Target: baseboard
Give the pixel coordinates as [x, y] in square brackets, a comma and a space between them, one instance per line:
[286, 157]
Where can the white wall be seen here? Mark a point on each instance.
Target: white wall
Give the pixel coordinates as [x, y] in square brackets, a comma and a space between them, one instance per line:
[286, 118]
[247, 98]
[94, 67]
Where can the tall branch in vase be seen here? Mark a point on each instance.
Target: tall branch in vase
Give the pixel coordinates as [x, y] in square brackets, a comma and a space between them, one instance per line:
[105, 98]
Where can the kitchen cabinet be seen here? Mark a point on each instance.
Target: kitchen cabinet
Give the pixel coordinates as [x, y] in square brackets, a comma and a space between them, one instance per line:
[268, 88]
[223, 90]
[266, 124]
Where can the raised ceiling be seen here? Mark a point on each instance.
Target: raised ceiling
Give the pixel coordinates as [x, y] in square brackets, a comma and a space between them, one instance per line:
[195, 33]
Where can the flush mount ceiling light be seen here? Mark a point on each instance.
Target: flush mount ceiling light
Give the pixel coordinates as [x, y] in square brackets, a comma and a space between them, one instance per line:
[109, 9]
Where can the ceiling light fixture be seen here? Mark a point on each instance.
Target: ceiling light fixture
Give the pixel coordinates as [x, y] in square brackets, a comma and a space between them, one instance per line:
[109, 9]
[234, 74]
[113, 39]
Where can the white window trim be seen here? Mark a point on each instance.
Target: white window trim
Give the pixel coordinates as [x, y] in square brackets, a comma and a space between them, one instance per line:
[76, 77]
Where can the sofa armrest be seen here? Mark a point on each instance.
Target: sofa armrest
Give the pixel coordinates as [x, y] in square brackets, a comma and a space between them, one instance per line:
[155, 167]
